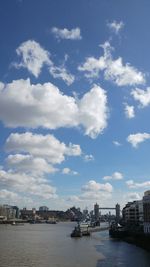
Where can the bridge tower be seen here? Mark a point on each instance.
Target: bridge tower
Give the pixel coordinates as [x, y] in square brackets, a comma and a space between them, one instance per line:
[117, 213]
[97, 214]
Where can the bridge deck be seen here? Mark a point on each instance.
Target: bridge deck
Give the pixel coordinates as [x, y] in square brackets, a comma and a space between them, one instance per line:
[107, 208]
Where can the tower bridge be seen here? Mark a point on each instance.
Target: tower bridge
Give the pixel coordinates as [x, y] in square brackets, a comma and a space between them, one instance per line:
[97, 213]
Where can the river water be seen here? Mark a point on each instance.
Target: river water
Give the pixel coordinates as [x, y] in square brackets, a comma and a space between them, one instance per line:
[46, 245]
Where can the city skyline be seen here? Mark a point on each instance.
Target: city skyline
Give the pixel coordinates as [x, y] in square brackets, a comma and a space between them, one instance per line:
[74, 102]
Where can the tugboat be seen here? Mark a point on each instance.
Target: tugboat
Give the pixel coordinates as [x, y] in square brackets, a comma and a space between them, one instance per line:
[86, 233]
[85, 229]
[76, 232]
[51, 222]
[117, 231]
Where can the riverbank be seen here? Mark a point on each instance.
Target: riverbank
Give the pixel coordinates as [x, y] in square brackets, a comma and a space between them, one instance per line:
[138, 239]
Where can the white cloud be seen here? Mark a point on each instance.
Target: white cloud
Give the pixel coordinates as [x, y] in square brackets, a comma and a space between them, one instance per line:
[74, 199]
[69, 172]
[116, 143]
[114, 70]
[44, 105]
[129, 111]
[6, 194]
[12, 198]
[29, 164]
[89, 157]
[41, 146]
[117, 176]
[136, 139]
[123, 75]
[114, 176]
[115, 26]
[92, 192]
[28, 105]
[26, 171]
[90, 198]
[133, 196]
[131, 184]
[93, 111]
[61, 72]
[22, 182]
[95, 196]
[95, 187]
[73, 34]
[143, 96]
[93, 66]
[33, 57]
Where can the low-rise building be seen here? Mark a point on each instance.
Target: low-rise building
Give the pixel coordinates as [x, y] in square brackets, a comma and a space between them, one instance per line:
[9, 212]
[43, 208]
[28, 214]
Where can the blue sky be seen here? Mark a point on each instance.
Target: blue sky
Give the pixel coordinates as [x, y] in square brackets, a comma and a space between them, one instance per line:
[74, 102]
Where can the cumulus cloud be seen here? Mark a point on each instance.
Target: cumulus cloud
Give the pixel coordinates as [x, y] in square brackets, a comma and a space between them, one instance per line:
[93, 111]
[13, 198]
[95, 187]
[143, 96]
[114, 176]
[34, 57]
[44, 105]
[73, 34]
[33, 156]
[69, 171]
[28, 105]
[92, 191]
[93, 66]
[74, 199]
[6, 194]
[115, 26]
[114, 70]
[22, 182]
[129, 111]
[29, 163]
[133, 196]
[131, 184]
[136, 139]
[41, 146]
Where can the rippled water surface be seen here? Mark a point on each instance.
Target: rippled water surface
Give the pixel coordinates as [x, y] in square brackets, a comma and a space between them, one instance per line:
[45, 245]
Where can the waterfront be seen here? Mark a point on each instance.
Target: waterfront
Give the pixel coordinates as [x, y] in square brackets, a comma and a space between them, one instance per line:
[44, 245]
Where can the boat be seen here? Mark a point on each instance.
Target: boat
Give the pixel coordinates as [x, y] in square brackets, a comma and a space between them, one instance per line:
[51, 222]
[84, 225]
[117, 231]
[76, 232]
[32, 222]
[86, 233]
